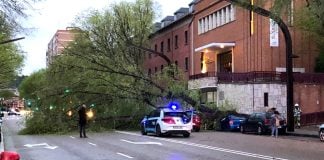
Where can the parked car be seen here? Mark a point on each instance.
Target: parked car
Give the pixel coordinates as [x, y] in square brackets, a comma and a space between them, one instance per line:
[232, 122]
[196, 120]
[260, 123]
[166, 121]
[321, 132]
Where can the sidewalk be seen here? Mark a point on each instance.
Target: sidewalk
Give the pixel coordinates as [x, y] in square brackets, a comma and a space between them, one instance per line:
[305, 131]
[2, 142]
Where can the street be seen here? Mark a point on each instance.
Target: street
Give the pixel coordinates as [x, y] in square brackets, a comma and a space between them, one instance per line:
[123, 145]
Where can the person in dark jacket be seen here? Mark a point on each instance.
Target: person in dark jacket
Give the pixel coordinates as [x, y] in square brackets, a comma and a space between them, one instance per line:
[82, 120]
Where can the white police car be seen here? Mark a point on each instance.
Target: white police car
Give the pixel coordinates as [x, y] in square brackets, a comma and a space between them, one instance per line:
[166, 121]
[321, 132]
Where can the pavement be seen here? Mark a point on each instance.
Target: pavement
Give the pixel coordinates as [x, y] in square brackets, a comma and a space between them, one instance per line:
[1, 138]
[305, 131]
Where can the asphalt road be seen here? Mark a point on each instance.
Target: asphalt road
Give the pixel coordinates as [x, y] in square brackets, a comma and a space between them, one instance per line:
[124, 145]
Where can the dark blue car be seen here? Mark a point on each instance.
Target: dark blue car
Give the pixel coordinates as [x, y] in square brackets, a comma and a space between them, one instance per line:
[232, 122]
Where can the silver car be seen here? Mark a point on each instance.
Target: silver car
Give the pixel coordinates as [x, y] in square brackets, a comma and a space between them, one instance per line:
[321, 132]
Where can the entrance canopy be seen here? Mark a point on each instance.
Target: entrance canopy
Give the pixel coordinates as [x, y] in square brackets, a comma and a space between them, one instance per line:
[215, 46]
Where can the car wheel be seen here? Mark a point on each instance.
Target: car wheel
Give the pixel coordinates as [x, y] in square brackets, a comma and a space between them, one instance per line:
[158, 131]
[143, 130]
[321, 135]
[242, 129]
[186, 135]
[259, 131]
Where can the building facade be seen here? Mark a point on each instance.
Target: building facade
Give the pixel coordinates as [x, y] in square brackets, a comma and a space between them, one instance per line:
[59, 41]
[238, 57]
[172, 38]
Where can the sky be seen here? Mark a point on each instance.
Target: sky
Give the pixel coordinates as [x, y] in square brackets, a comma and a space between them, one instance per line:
[48, 16]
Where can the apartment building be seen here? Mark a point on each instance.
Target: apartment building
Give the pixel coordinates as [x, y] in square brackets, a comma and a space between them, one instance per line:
[59, 41]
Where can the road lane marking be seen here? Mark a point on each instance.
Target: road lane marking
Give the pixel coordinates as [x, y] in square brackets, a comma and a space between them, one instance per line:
[130, 157]
[157, 143]
[44, 145]
[210, 147]
[72, 137]
[92, 144]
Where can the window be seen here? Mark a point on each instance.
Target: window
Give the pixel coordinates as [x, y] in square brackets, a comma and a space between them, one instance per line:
[214, 20]
[176, 63]
[155, 49]
[162, 47]
[186, 37]
[169, 45]
[201, 60]
[176, 41]
[291, 13]
[200, 26]
[266, 97]
[161, 67]
[206, 24]
[222, 16]
[210, 22]
[155, 69]
[186, 63]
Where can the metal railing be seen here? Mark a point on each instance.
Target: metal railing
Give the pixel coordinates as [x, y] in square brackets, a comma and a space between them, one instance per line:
[313, 78]
[249, 77]
[312, 118]
[261, 76]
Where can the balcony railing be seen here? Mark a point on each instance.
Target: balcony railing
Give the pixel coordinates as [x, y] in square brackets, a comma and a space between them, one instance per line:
[261, 76]
[203, 75]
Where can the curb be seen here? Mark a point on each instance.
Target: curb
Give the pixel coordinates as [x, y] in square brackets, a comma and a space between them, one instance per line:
[301, 135]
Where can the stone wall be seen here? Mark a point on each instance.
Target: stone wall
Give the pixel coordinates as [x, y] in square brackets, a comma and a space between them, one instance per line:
[202, 83]
[248, 98]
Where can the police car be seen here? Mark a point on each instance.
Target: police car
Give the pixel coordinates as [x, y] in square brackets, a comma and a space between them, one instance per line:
[166, 121]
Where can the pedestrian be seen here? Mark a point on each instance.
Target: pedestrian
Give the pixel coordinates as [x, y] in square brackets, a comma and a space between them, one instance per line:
[275, 123]
[82, 121]
[297, 113]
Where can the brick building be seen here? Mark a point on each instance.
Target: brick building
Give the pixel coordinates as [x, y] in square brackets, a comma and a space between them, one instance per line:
[59, 41]
[171, 38]
[237, 57]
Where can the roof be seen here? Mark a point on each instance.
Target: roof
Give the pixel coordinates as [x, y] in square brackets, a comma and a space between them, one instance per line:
[173, 23]
[182, 10]
[192, 2]
[168, 18]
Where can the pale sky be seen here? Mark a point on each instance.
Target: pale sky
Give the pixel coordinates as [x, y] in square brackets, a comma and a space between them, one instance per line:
[51, 15]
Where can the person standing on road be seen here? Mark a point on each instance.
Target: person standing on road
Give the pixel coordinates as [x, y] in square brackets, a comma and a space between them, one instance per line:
[275, 123]
[82, 120]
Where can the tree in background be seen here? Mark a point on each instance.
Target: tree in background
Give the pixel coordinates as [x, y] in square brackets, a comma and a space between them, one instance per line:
[311, 18]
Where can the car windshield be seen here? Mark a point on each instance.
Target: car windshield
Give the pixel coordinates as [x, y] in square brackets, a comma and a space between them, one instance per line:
[175, 114]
